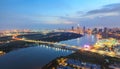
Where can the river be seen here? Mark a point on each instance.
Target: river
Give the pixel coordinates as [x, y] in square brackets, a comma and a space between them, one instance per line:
[37, 56]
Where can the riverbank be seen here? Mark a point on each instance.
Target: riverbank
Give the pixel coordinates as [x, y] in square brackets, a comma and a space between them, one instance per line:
[50, 37]
[76, 60]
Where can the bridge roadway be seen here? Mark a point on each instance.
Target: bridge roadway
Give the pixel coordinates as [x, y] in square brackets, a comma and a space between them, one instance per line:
[71, 47]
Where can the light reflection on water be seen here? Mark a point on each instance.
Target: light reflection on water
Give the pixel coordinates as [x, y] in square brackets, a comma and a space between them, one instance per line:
[36, 56]
[39, 55]
[87, 39]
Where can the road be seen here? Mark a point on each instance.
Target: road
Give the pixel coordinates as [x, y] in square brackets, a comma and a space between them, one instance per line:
[75, 48]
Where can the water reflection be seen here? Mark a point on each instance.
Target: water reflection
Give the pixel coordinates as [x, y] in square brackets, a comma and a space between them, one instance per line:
[37, 55]
[31, 57]
[53, 48]
[87, 39]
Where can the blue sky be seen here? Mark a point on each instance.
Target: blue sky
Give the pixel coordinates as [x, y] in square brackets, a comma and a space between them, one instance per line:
[37, 14]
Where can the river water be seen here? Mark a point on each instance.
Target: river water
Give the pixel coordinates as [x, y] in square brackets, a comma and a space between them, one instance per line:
[85, 40]
[36, 56]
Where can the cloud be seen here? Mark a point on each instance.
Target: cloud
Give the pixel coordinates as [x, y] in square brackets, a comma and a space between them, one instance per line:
[107, 10]
[101, 15]
[9, 21]
[52, 19]
[108, 15]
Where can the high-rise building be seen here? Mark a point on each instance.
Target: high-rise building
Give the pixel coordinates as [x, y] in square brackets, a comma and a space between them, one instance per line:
[84, 29]
[72, 27]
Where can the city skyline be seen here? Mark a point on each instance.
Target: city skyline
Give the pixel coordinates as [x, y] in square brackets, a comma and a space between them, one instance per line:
[50, 14]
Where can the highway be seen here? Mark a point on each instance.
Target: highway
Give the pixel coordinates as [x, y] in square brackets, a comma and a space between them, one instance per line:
[70, 47]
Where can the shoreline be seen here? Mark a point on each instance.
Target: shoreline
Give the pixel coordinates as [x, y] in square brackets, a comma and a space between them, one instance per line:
[17, 44]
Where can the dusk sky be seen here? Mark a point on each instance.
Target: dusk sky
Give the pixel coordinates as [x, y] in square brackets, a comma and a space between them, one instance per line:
[45, 14]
